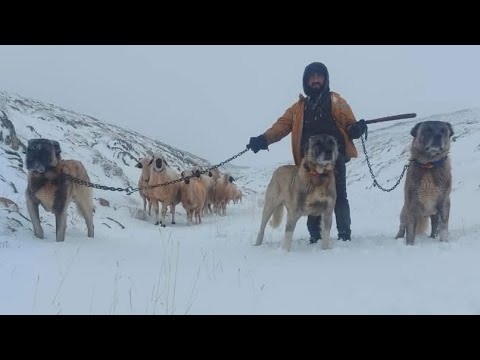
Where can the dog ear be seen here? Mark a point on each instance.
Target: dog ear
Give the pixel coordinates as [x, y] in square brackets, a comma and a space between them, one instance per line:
[450, 127]
[414, 130]
[304, 148]
[31, 142]
[56, 146]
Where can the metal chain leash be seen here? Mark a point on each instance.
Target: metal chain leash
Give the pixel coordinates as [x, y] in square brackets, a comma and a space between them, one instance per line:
[129, 190]
[375, 182]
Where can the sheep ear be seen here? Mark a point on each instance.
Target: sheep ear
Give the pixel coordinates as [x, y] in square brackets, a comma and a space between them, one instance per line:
[231, 179]
[139, 165]
[165, 162]
[210, 174]
[197, 173]
[151, 161]
[414, 130]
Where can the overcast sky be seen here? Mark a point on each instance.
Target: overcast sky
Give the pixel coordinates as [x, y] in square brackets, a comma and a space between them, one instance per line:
[210, 99]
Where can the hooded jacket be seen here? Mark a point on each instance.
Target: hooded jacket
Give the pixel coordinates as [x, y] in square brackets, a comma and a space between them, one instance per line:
[292, 120]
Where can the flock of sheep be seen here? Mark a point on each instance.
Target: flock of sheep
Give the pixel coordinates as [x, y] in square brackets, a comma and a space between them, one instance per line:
[199, 195]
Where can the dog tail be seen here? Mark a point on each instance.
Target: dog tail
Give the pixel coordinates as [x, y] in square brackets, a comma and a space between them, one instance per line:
[277, 217]
[422, 224]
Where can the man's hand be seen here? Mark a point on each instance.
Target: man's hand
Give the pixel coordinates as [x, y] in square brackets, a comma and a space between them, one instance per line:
[357, 129]
[258, 143]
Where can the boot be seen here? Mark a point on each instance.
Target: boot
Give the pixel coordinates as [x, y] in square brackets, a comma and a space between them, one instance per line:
[313, 225]
[344, 236]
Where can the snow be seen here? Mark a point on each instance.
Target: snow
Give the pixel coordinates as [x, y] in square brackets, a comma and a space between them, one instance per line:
[213, 268]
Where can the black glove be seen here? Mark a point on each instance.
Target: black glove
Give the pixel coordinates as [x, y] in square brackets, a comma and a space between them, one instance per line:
[357, 129]
[258, 143]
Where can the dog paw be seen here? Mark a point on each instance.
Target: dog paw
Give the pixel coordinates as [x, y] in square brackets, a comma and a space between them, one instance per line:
[325, 246]
[285, 248]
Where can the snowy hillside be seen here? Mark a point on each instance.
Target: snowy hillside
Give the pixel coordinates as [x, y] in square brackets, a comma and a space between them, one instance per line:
[134, 267]
[108, 152]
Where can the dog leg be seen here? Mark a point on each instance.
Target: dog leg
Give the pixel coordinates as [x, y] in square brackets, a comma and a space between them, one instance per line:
[435, 220]
[268, 210]
[61, 224]
[401, 229]
[444, 217]
[89, 223]
[410, 227]
[326, 227]
[292, 219]
[86, 210]
[34, 216]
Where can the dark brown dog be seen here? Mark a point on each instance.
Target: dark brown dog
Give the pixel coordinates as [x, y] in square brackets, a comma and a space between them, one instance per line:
[428, 182]
[47, 186]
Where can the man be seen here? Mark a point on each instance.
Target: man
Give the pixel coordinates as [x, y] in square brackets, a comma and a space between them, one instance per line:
[321, 112]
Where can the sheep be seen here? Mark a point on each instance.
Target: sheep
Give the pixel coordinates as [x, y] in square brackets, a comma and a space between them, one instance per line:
[209, 183]
[193, 196]
[161, 172]
[144, 164]
[237, 196]
[223, 193]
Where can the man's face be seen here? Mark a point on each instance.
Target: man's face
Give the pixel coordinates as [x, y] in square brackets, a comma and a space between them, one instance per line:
[316, 81]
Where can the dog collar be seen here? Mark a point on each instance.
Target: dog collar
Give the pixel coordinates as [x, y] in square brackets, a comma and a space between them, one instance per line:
[309, 171]
[431, 164]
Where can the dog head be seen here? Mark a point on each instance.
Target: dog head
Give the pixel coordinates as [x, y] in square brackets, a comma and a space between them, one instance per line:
[42, 154]
[321, 153]
[431, 139]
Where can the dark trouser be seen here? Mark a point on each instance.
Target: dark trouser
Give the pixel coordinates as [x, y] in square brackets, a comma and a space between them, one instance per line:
[342, 207]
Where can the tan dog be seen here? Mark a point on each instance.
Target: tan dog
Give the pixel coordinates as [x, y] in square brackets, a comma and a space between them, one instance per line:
[428, 182]
[48, 187]
[308, 189]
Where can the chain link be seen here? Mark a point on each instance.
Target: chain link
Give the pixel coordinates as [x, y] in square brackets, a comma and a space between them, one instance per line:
[375, 182]
[129, 190]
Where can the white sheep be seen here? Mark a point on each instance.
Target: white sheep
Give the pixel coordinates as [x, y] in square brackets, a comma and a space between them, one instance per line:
[237, 196]
[208, 182]
[193, 197]
[223, 193]
[169, 195]
[144, 164]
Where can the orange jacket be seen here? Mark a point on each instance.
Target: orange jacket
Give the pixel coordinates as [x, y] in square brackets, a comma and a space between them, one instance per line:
[292, 121]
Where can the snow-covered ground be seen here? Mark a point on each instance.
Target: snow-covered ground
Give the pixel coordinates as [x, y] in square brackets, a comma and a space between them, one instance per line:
[134, 267]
